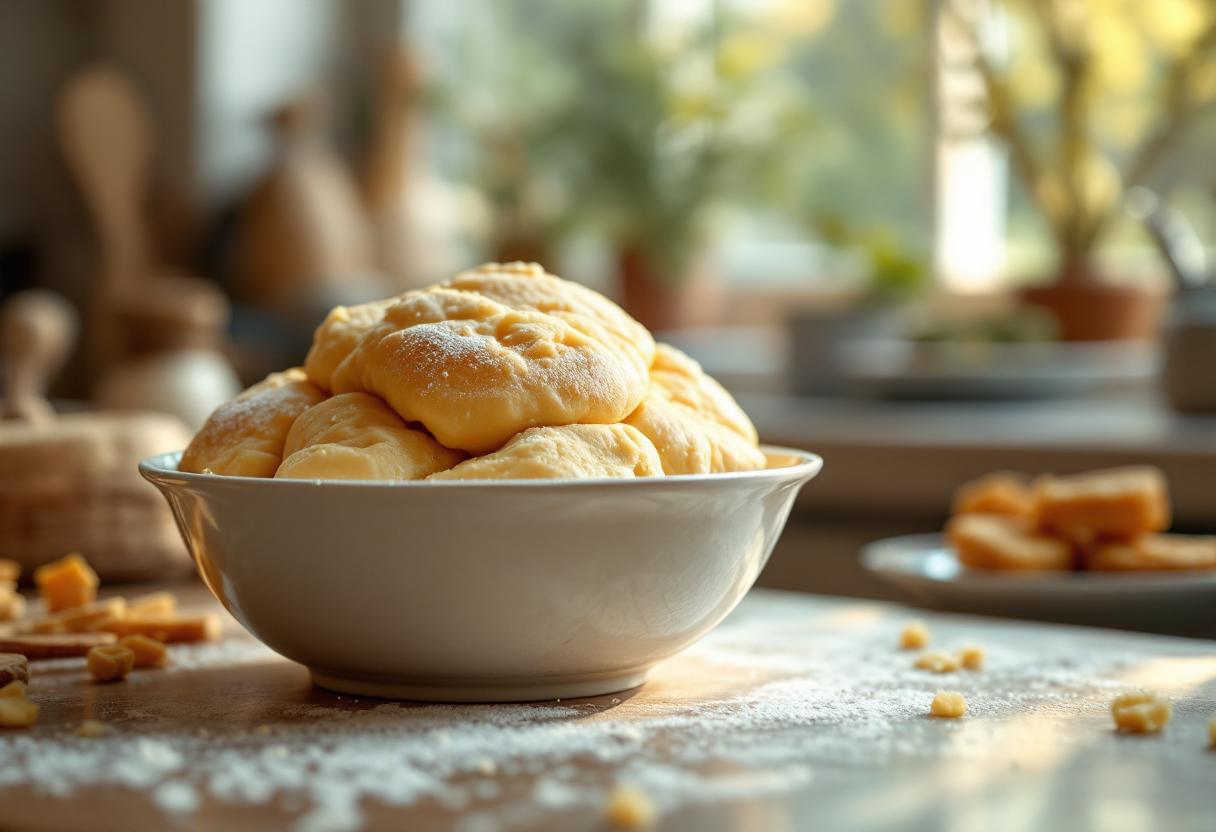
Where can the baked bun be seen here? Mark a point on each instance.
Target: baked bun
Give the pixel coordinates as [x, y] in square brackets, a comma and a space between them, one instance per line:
[356, 436]
[695, 425]
[245, 437]
[566, 452]
[475, 372]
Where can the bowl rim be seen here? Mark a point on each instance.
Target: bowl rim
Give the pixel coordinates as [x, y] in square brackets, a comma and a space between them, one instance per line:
[163, 467]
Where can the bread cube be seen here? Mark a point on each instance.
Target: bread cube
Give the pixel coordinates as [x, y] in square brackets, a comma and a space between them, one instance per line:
[68, 582]
[1114, 504]
[1154, 552]
[999, 493]
[1000, 541]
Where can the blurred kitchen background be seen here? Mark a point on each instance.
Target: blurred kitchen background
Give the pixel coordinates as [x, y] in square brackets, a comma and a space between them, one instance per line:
[927, 239]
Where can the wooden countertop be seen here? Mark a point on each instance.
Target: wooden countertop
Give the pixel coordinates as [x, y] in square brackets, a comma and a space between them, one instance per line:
[796, 713]
[908, 457]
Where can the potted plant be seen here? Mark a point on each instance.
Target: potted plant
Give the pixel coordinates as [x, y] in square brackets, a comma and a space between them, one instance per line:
[1075, 62]
[667, 131]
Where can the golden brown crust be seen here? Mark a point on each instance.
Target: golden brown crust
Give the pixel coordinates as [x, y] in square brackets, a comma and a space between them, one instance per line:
[1001, 492]
[1000, 541]
[1154, 552]
[1112, 504]
[245, 437]
[356, 436]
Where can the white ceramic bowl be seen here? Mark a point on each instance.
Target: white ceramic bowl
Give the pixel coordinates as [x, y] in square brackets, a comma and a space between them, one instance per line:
[482, 591]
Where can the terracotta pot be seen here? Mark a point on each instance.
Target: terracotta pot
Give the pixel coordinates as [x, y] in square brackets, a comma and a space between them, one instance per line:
[662, 304]
[1091, 309]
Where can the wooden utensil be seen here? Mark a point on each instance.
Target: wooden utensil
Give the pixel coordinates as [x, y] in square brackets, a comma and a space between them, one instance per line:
[156, 335]
[106, 136]
[37, 331]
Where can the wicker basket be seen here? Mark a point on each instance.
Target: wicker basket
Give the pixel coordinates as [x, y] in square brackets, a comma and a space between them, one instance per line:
[72, 485]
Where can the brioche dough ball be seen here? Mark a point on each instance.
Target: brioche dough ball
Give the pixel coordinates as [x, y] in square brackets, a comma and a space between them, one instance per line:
[245, 437]
[565, 452]
[356, 436]
[695, 425]
[519, 286]
[526, 286]
[338, 336]
[475, 372]
[682, 381]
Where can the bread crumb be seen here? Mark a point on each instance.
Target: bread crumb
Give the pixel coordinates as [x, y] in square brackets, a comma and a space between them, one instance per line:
[91, 728]
[15, 710]
[16, 688]
[487, 767]
[148, 652]
[12, 603]
[914, 636]
[154, 603]
[67, 582]
[937, 662]
[948, 704]
[630, 808]
[1212, 731]
[110, 662]
[1142, 712]
[972, 656]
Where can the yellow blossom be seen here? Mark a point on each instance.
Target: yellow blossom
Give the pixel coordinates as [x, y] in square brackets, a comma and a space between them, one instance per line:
[1122, 64]
[1101, 185]
[1123, 123]
[1033, 81]
[1173, 25]
[744, 53]
[801, 17]
[900, 18]
[1203, 83]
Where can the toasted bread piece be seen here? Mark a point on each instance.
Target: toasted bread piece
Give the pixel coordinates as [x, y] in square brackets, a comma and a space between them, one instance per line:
[82, 619]
[1000, 493]
[68, 582]
[1113, 504]
[1154, 552]
[54, 645]
[999, 541]
[168, 629]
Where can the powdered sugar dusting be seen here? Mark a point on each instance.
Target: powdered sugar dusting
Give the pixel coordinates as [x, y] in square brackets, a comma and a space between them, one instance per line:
[784, 686]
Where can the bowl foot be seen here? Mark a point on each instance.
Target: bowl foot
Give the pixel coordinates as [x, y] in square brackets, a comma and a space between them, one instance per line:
[488, 690]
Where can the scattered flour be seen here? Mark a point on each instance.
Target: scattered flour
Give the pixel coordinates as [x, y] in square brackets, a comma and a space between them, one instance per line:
[811, 693]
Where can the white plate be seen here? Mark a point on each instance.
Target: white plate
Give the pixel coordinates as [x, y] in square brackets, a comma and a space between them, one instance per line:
[923, 565]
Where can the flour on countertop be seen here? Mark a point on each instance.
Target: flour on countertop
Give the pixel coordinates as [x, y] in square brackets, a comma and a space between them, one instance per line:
[827, 690]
